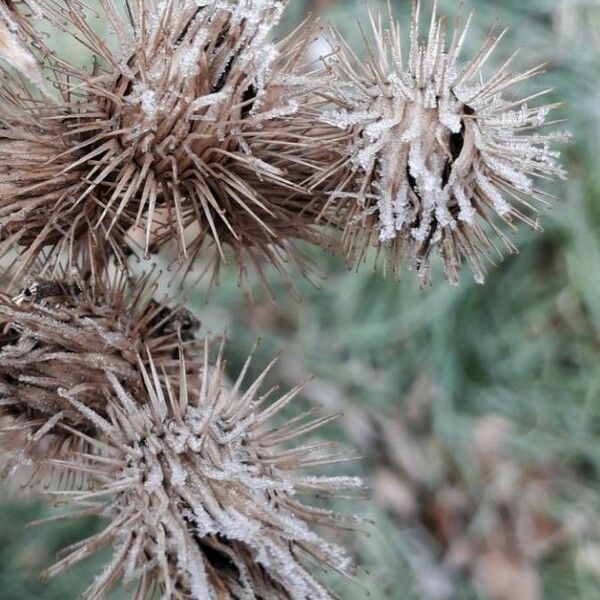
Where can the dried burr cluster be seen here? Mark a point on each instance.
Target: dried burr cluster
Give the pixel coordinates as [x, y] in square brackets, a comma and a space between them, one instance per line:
[199, 133]
[192, 133]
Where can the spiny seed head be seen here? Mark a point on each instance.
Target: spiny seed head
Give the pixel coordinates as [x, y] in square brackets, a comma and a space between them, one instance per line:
[203, 498]
[59, 339]
[439, 156]
[170, 138]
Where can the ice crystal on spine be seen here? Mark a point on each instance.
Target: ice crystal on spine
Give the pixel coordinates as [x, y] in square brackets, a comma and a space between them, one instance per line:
[439, 151]
[203, 500]
[60, 338]
[168, 140]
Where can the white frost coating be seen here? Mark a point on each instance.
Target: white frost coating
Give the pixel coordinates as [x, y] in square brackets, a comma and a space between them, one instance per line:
[467, 212]
[208, 100]
[154, 478]
[501, 206]
[281, 111]
[146, 98]
[342, 118]
[16, 53]
[436, 143]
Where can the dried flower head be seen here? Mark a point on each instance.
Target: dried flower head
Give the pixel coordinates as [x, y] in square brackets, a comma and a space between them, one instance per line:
[60, 337]
[203, 500]
[439, 156]
[169, 138]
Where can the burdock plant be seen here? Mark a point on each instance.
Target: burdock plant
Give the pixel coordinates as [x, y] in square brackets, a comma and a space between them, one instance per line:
[438, 156]
[203, 499]
[200, 134]
[62, 338]
[170, 135]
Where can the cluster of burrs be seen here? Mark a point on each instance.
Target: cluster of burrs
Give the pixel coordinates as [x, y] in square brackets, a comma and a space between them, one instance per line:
[191, 133]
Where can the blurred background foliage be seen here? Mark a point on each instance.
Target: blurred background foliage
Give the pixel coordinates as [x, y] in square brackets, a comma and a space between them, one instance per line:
[476, 409]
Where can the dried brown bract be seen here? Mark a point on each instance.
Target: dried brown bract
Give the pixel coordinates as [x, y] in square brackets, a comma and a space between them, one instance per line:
[183, 134]
[204, 498]
[60, 338]
[441, 156]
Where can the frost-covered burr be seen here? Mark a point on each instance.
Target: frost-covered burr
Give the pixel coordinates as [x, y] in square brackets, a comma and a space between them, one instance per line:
[441, 156]
[63, 339]
[204, 497]
[180, 135]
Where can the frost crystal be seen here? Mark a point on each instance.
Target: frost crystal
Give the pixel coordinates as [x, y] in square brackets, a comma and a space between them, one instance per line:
[203, 499]
[438, 152]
